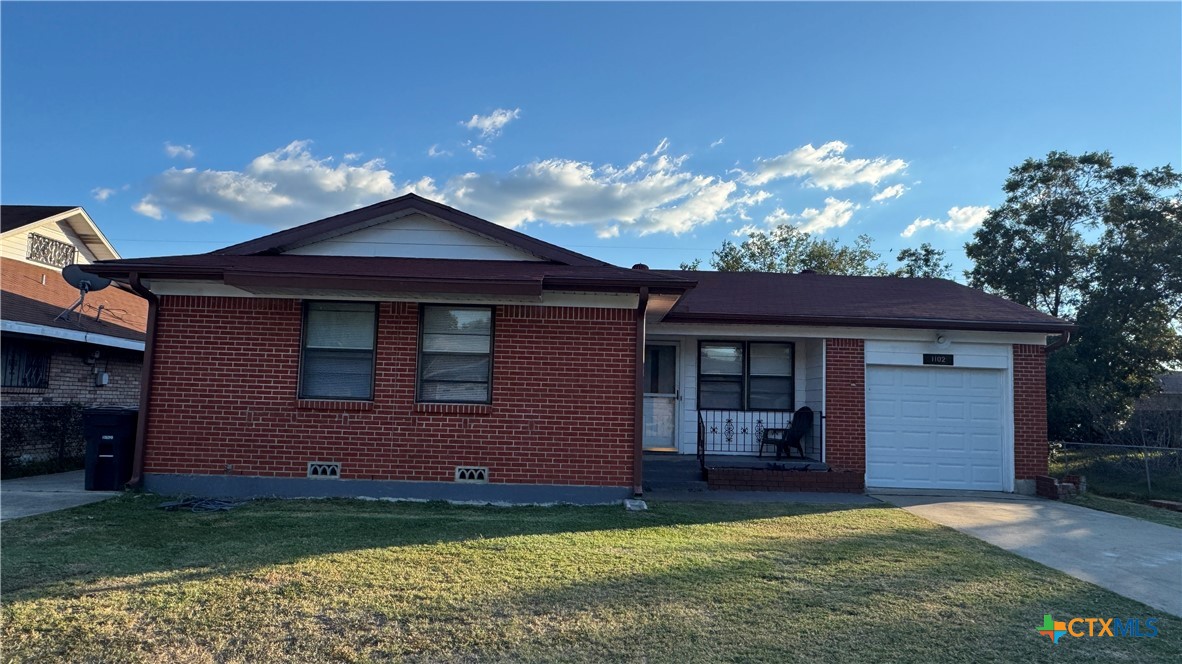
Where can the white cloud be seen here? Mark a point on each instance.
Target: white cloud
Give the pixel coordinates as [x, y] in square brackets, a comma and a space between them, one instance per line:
[960, 220]
[480, 151]
[351, 156]
[491, 125]
[744, 231]
[717, 143]
[283, 187]
[102, 193]
[835, 214]
[181, 151]
[652, 194]
[824, 167]
[893, 191]
[436, 151]
[658, 192]
[148, 209]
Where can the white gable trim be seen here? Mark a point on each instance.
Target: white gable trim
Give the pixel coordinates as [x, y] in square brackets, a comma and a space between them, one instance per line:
[77, 226]
[413, 234]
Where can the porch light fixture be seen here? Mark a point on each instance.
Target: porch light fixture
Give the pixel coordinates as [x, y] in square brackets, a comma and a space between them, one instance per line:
[942, 341]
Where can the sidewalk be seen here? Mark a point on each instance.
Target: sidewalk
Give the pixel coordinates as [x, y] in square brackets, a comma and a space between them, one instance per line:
[26, 496]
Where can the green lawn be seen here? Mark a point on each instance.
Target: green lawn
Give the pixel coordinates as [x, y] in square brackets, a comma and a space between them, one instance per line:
[1128, 508]
[306, 581]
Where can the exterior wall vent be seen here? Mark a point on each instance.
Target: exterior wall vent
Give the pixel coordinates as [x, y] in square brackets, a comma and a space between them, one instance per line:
[471, 474]
[324, 470]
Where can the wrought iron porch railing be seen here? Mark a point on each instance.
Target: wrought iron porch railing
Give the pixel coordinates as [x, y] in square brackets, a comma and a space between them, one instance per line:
[739, 432]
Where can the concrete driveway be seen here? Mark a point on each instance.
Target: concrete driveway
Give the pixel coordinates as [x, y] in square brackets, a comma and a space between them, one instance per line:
[1131, 557]
[26, 496]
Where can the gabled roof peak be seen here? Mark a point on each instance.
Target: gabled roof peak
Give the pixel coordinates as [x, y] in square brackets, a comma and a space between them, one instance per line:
[361, 218]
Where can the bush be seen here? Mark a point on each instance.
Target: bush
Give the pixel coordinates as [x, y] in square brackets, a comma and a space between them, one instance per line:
[41, 439]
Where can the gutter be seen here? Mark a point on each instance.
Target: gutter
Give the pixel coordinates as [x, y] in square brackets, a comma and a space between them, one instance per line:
[1062, 341]
[141, 424]
[19, 327]
[638, 398]
[848, 321]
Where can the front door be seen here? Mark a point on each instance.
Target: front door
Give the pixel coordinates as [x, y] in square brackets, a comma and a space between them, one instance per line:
[660, 397]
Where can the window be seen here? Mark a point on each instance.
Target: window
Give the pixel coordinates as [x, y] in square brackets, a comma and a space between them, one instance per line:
[737, 375]
[769, 377]
[720, 384]
[338, 352]
[455, 354]
[25, 364]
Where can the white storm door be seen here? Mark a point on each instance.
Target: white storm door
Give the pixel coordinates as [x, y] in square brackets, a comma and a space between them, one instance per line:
[660, 397]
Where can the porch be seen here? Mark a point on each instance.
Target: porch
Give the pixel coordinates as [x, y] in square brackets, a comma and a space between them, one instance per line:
[666, 470]
[712, 397]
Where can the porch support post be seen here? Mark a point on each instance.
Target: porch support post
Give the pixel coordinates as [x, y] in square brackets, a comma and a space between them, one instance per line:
[638, 410]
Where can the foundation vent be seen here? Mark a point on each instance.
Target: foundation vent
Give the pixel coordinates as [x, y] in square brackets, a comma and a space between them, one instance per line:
[471, 474]
[324, 470]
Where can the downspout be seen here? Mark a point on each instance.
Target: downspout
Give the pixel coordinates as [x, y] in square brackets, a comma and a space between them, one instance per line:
[638, 408]
[141, 425]
[1059, 343]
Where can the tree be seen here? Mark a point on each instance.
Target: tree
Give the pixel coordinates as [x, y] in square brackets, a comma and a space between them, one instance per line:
[1080, 238]
[788, 249]
[926, 261]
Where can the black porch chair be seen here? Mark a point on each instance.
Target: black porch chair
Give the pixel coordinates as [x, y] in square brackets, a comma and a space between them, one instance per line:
[785, 439]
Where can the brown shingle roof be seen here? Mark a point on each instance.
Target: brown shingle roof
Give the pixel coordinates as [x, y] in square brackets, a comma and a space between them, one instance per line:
[15, 216]
[817, 299]
[355, 219]
[27, 300]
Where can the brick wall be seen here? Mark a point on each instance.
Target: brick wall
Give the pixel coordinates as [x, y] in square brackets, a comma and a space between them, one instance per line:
[1030, 411]
[845, 404]
[224, 395]
[72, 375]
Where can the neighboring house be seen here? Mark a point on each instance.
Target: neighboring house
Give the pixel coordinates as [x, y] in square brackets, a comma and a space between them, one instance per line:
[91, 357]
[1157, 419]
[409, 349]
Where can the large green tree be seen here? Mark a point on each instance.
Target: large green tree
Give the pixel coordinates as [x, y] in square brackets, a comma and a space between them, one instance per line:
[1081, 238]
[789, 249]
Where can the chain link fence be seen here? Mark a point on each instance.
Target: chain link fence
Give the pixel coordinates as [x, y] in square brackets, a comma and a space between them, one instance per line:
[40, 439]
[1141, 472]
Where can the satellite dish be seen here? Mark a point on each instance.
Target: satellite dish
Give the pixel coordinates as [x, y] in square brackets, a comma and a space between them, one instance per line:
[82, 280]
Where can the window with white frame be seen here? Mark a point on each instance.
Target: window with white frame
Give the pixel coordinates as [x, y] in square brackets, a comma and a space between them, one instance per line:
[338, 350]
[745, 375]
[455, 354]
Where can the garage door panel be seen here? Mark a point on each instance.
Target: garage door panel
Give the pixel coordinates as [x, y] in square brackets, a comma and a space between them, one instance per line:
[915, 409]
[947, 379]
[950, 442]
[934, 427]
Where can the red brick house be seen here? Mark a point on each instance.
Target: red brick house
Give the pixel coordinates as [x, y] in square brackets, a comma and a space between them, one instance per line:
[55, 364]
[408, 349]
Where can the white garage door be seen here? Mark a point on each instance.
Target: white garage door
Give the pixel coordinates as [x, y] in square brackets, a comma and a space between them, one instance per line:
[934, 428]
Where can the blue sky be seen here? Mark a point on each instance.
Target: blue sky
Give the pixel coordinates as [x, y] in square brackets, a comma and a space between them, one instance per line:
[634, 133]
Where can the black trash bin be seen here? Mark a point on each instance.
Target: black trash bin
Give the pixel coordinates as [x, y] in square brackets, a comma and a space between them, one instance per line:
[110, 446]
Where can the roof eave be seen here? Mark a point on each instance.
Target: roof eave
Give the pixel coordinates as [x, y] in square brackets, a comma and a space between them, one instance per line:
[1048, 327]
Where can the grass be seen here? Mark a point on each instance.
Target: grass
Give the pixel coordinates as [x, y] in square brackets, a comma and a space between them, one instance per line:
[352, 581]
[1116, 481]
[1129, 508]
[1119, 473]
